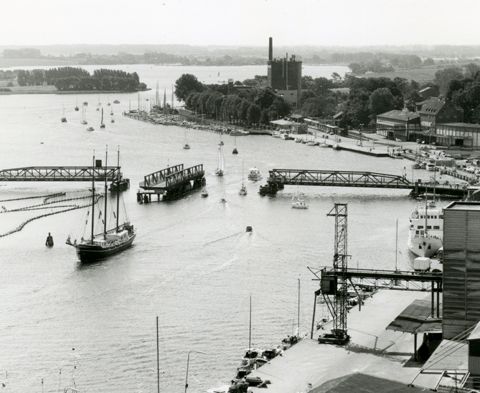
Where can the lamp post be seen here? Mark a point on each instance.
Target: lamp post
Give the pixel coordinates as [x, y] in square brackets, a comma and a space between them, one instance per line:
[188, 364]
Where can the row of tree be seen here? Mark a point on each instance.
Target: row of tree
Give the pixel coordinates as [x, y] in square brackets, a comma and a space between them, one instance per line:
[249, 107]
[73, 78]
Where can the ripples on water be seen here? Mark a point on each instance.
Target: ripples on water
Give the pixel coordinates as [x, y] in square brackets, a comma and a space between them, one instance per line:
[192, 264]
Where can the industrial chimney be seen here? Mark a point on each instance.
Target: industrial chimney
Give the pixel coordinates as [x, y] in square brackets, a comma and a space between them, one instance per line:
[270, 49]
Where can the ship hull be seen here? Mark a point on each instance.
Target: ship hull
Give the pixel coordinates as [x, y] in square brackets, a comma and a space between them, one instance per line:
[91, 252]
[424, 246]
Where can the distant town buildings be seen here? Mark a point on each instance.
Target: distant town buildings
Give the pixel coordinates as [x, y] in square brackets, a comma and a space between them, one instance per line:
[285, 75]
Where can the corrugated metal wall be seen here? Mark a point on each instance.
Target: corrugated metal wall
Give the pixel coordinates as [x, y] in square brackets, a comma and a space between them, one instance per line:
[461, 270]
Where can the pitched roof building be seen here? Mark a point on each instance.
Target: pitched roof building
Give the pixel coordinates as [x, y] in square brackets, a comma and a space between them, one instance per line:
[398, 124]
[435, 110]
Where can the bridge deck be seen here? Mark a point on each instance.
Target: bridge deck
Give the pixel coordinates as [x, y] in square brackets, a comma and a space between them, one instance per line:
[59, 173]
[364, 179]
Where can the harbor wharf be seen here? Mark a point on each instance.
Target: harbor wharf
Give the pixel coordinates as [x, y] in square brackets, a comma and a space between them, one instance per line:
[171, 183]
[60, 173]
[279, 178]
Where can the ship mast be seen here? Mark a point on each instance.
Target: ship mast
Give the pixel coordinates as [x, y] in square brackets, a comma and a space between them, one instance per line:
[105, 196]
[118, 184]
[93, 196]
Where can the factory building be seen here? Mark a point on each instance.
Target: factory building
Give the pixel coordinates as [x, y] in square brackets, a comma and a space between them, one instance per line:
[285, 75]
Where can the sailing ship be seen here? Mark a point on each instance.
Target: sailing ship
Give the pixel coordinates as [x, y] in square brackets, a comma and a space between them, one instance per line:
[109, 241]
[102, 124]
[220, 166]
[76, 105]
[235, 150]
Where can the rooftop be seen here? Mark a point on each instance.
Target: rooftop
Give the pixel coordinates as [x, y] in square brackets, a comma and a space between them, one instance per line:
[432, 105]
[403, 115]
[459, 205]
[363, 383]
[415, 318]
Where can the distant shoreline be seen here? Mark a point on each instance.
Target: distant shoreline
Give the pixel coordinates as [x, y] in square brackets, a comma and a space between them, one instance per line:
[34, 91]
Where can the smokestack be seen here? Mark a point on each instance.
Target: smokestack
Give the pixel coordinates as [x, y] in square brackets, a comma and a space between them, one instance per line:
[270, 49]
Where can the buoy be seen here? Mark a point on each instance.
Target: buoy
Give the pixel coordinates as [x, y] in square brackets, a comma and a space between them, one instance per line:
[49, 241]
[249, 228]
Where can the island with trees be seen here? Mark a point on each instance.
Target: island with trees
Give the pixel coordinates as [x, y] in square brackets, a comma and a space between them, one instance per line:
[71, 80]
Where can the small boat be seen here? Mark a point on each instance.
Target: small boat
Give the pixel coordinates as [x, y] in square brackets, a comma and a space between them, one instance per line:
[221, 143]
[77, 108]
[186, 146]
[204, 193]
[234, 151]
[298, 140]
[298, 202]
[323, 144]
[90, 128]
[102, 124]
[63, 119]
[116, 102]
[223, 200]
[85, 103]
[221, 164]
[119, 185]
[254, 174]
[243, 190]
[112, 120]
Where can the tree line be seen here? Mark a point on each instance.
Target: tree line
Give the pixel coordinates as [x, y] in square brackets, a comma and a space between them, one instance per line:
[248, 107]
[74, 78]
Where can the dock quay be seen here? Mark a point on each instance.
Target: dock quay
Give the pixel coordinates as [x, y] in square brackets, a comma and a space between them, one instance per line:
[279, 178]
[171, 183]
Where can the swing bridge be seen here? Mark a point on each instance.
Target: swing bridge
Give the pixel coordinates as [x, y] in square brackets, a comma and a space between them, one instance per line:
[61, 173]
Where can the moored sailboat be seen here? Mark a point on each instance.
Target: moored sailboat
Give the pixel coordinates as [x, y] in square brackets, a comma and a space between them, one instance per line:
[109, 241]
[220, 166]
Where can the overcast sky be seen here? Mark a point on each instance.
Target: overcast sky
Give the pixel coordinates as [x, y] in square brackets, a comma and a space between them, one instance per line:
[240, 22]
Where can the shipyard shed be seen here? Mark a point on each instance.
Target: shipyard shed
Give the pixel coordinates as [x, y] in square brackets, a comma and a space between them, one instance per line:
[461, 268]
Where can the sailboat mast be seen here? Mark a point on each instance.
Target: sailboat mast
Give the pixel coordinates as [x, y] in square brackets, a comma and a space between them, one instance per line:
[158, 362]
[105, 195]
[118, 184]
[93, 197]
[101, 122]
[426, 210]
[298, 309]
[250, 326]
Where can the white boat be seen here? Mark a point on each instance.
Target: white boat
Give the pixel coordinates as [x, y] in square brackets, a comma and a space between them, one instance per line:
[186, 146]
[298, 202]
[254, 174]
[221, 164]
[276, 134]
[243, 189]
[425, 237]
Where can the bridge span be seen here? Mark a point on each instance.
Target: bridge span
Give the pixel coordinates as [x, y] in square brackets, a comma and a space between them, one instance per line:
[60, 173]
[278, 178]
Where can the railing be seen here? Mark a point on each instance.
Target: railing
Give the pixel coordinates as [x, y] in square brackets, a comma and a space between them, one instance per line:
[59, 173]
[160, 176]
[185, 175]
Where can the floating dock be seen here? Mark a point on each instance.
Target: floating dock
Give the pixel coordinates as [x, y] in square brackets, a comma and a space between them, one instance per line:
[171, 183]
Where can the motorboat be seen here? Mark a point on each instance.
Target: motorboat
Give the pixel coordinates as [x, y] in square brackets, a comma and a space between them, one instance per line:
[425, 236]
[254, 174]
[298, 202]
[204, 193]
[90, 128]
[243, 190]
[186, 146]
